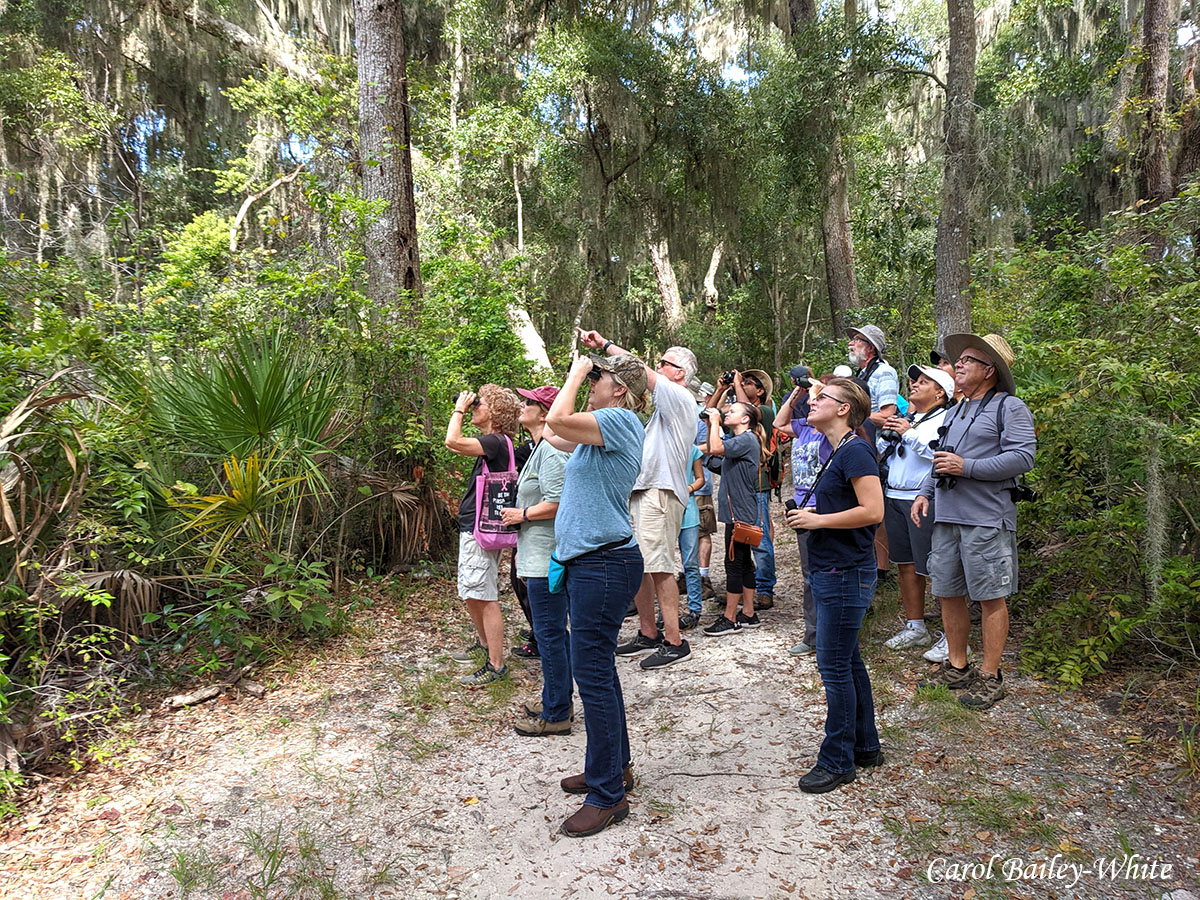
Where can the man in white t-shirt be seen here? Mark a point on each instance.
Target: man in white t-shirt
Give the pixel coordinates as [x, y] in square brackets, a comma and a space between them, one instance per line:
[659, 497]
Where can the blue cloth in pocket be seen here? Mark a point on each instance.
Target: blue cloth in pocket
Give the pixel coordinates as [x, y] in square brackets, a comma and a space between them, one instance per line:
[557, 576]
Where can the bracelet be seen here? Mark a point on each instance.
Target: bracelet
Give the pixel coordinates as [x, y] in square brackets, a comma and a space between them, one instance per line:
[459, 411]
[607, 344]
[525, 514]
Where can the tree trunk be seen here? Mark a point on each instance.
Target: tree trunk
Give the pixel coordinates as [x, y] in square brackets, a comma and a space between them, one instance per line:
[520, 209]
[710, 278]
[1189, 124]
[840, 279]
[668, 287]
[952, 279]
[384, 137]
[1154, 172]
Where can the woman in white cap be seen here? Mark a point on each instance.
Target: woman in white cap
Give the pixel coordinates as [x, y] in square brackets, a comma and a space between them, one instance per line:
[908, 459]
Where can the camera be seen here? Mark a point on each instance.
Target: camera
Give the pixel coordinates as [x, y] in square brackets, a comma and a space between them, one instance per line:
[727, 378]
[1023, 493]
[454, 399]
[704, 413]
[789, 505]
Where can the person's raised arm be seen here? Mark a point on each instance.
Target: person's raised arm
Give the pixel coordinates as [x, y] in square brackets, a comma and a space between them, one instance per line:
[714, 445]
[568, 426]
[596, 341]
[464, 446]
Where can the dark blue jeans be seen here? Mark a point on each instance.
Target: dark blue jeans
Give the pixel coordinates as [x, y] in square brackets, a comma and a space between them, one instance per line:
[764, 553]
[841, 599]
[600, 587]
[550, 631]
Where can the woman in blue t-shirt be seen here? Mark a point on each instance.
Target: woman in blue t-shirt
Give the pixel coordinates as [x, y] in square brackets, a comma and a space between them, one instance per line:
[847, 507]
[594, 541]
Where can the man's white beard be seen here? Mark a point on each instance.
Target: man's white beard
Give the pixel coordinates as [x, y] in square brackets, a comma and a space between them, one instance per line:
[857, 358]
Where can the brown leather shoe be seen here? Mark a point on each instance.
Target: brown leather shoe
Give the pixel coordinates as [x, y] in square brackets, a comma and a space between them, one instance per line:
[577, 784]
[591, 820]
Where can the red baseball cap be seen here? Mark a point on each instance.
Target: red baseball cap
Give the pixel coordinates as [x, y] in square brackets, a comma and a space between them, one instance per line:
[543, 395]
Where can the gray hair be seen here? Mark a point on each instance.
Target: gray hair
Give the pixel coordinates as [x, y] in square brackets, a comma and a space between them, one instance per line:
[687, 358]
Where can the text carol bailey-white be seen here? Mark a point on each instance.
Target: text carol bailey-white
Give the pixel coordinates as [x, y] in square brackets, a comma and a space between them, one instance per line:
[1130, 867]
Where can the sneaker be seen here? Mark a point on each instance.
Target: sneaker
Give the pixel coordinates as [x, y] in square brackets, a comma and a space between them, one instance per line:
[764, 601]
[639, 645]
[802, 649]
[539, 727]
[688, 621]
[471, 656]
[667, 655]
[940, 651]
[527, 651]
[707, 591]
[955, 679]
[985, 693]
[533, 709]
[909, 637]
[483, 676]
[721, 626]
[745, 621]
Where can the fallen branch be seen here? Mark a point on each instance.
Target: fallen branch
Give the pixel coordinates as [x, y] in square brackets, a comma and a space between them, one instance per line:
[249, 201]
[205, 693]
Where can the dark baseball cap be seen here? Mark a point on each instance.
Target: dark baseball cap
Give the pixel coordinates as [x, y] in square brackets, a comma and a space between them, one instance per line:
[801, 375]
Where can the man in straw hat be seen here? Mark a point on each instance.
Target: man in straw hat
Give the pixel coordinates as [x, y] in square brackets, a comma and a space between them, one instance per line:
[985, 446]
[660, 495]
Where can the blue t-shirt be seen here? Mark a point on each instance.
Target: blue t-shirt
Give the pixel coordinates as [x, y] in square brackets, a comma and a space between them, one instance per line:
[701, 437]
[843, 548]
[594, 509]
[691, 512]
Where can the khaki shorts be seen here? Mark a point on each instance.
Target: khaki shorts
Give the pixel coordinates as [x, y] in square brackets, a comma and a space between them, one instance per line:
[656, 516]
[977, 561]
[708, 515]
[478, 570]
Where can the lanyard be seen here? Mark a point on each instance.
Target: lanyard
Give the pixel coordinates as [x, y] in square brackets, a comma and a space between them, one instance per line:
[824, 466]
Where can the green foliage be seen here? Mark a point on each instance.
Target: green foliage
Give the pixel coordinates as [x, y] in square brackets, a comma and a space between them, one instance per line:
[40, 96]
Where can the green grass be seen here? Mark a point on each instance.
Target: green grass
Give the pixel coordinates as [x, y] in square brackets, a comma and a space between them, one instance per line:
[193, 869]
[917, 837]
[944, 709]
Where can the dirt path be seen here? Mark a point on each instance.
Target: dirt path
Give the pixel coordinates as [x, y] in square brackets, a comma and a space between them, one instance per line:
[367, 772]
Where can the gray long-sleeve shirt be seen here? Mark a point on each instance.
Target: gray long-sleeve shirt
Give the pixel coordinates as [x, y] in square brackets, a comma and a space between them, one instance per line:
[992, 462]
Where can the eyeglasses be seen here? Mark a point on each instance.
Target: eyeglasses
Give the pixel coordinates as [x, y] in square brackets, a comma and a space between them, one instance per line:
[667, 362]
[821, 396]
[975, 359]
[754, 382]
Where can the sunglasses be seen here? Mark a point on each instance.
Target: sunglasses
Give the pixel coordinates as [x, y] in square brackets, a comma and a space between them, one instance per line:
[667, 362]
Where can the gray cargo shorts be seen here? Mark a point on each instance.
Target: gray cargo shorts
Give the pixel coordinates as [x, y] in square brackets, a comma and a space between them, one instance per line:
[977, 561]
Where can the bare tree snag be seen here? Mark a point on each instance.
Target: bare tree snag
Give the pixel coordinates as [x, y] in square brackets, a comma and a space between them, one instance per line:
[710, 277]
[668, 287]
[251, 200]
[952, 278]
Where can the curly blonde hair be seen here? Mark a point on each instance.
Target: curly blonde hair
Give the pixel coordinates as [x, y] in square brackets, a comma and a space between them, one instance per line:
[505, 407]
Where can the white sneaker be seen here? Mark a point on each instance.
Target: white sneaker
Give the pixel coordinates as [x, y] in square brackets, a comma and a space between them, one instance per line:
[910, 636]
[940, 652]
[802, 649]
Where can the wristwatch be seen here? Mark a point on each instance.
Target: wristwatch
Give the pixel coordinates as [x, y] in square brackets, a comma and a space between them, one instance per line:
[525, 514]
[607, 344]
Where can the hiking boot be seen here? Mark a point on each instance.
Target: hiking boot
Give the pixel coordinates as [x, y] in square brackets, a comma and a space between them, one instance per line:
[868, 760]
[985, 693]
[721, 627]
[745, 621]
[533, 709]
[667, 655]
[471, 656]
[707, 591]
[955, 679]
[483, 676]
[591, 820]
[688, 621]
[639, 645]
[908, 637]
[764, 601]
[539, 727]
[822, 781]
[526, 651]
[802, 649]
[940, 651]
[577, 784]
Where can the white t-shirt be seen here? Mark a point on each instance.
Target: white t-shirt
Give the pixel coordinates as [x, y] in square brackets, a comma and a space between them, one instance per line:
[669, 437]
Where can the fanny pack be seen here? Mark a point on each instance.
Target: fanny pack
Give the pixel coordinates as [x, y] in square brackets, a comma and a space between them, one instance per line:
[557, 574]
[745, 533]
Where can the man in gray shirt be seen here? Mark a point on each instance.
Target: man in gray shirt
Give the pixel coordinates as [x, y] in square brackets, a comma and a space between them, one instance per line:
[987, 443]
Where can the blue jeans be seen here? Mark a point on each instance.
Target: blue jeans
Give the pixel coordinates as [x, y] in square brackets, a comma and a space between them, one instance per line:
[810, 608]
[764, 553]
[842, 599]
[549, 612]
[689, 551]
[600, 587]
